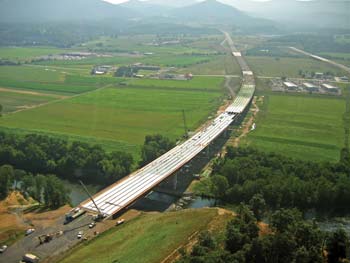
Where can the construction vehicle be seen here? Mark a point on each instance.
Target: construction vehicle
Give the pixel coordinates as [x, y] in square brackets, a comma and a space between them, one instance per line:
[120, 222]
[3, 248]
[30, 258]
[45, 238]
[73, 215]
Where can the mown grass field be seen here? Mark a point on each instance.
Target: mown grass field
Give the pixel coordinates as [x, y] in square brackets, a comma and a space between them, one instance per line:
[304, 127]
[157, 234]
[145, 43]
[221, 65]
[122, 115]
[197, 83]
[51, 80]
[12, 101]
[117, 116]
[288, 67]
[25, 53]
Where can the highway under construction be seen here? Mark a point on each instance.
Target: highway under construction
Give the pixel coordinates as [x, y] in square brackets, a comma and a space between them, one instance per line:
[125, 192]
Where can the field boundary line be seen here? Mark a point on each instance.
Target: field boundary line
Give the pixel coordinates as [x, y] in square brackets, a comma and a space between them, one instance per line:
[34, 93]
[57, 100]
[53, 67]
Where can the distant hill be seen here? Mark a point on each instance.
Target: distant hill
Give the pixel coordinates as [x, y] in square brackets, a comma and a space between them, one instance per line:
[61, 10]
[146, 8]
[214, 12]
[318, 13]
[124, 16]
[173, 3]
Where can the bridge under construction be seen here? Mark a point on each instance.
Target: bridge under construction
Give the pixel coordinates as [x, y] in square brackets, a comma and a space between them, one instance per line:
[125, 192]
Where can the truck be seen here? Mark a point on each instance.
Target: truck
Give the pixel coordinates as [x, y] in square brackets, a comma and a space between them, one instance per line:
[30, 258]
[72, 216]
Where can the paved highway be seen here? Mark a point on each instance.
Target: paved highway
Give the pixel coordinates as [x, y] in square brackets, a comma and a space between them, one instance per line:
[126, 191]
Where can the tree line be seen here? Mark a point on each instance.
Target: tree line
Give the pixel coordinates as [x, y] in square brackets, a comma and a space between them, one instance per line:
[287, 238]
[46, 189]
[41, 162]
[281, 181]
[40, 154]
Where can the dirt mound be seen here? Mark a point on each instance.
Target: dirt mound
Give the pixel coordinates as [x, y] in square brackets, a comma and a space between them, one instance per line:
[16, 199]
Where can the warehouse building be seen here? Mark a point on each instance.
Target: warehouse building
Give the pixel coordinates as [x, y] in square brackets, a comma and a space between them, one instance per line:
[330, 89]
[290, 85]
[310, 87]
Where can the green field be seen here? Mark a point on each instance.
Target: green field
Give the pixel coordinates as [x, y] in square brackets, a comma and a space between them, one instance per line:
[289, 67]
[143, 43]
[119, 115]
[304, 127]
[336, 55]
[25, 53]
[221, 65]
[196, 84]
[157, 234]
[51, 80]
[11, 101]
[123, 115]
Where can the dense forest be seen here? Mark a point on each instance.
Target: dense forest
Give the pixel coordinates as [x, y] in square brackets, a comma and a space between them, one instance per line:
[68, 160]
[153, 147]
[75, 160]
[41, 162]
[282, 181]
[287, 238]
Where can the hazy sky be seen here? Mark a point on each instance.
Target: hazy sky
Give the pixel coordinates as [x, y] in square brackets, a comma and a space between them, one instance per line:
[224, 1]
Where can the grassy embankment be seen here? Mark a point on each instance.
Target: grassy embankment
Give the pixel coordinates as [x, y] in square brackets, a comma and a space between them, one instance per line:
[158, 234]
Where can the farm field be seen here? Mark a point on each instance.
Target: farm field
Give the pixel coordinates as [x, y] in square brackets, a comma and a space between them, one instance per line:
[305, 127]
[122, 115]
[159, 234]
[222, 65]
[25, 53]
[13, 101]
[169, 60]
[153, 44]
[335, 55]
[197, 83]
[289, 67]
[117, 116]
[51, 80]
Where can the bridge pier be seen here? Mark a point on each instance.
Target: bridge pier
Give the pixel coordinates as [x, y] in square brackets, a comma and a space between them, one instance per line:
[174, 181]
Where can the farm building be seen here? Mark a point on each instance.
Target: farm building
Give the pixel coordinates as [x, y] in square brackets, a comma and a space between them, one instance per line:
[310, 87]
[290, 85]
[344, 78]
[330, 88]
[100, 70]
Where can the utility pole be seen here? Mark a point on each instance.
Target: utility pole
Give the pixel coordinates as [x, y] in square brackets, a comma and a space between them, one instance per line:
[185, 123]
[87, 191]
